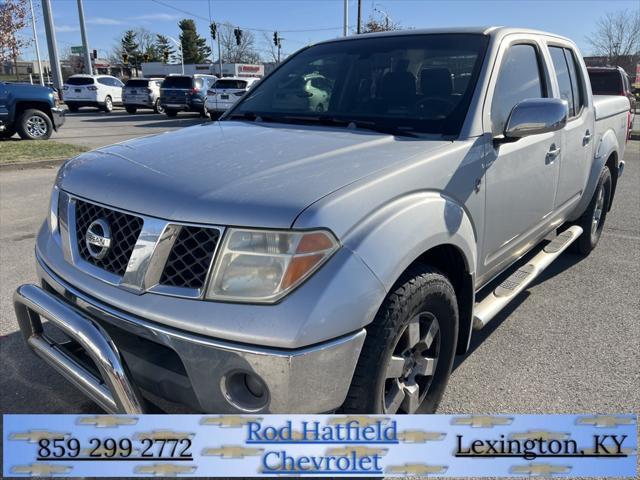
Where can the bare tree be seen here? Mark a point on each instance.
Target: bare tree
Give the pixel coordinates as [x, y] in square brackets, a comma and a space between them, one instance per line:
[272, 50]
[617, 35]
[380, 23]
[13, 18]
[232, 52]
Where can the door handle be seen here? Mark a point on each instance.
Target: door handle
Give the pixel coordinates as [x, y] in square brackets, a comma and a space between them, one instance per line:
[587, 138]
[553, 153]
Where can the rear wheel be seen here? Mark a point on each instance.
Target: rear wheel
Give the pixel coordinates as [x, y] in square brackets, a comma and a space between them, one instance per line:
[592, 220]
[131, 109]
[157, 107]
[34, 125]
[171, 113]
[406, 360]
[108, 104]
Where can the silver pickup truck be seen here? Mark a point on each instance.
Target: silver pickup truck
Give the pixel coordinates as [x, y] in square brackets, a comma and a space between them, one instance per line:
[299, 256]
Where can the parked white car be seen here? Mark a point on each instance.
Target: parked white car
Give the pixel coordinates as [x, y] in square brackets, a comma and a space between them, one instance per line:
[225, 93]
[99, 91]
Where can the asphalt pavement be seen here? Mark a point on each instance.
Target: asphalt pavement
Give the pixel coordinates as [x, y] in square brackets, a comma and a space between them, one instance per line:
[569, 343]
[92, 128]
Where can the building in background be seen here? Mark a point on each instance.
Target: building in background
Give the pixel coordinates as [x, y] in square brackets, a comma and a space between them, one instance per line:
[159, 69]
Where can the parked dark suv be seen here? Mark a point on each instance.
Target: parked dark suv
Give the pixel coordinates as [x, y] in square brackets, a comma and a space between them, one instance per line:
[185, 93]
[613, 81]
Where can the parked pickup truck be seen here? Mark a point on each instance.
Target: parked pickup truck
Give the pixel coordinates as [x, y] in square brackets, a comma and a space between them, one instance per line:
[296, 260]
[31, 110]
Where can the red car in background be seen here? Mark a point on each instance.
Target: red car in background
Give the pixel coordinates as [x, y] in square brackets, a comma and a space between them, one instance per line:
[613, 81]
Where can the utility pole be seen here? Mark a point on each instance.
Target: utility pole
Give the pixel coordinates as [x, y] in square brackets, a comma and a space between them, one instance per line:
[37, 45]
[52, 44]
[179, 45]
[345, 28]
[85, 43]
[359, 27]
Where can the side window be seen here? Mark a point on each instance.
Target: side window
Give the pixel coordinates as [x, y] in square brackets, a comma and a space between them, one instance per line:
[577, 82]
[562, 74]
[104, 81]
[519, 79]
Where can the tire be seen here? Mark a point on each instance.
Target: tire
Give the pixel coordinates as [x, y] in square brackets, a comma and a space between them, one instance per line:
[170, 113]
[593, 219]
[157, 107]
[203, 113]
[419, 314]
[131, 110]
[34, 125]
[7, 133]
[214, 115]
[73, 108]
[108, 104]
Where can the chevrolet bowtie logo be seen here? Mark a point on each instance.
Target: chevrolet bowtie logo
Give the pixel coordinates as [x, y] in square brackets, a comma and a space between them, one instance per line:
[482, 421]
[232, 451]
[418, 436]
[106, 421]
[539, 469]
[34, 436]
[603, 421]
[40, 469]
[164, 469]
[362, 420]
[163, 435]
[229, 421]
[539, 434]
[359, 451]
[416, 469]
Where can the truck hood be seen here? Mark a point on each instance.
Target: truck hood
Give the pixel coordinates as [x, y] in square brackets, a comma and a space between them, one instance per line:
[234, 172]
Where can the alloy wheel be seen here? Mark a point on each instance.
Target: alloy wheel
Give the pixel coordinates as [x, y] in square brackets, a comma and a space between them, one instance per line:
[597, 211]
[412, 365]
[36, 126]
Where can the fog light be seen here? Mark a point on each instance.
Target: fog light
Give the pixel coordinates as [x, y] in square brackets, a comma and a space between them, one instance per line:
[245, 391]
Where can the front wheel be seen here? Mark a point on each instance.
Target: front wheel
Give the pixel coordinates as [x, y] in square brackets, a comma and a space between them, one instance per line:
[157, 107]
[34, 125]
[108, 104]
[406, 360]
[592, 220]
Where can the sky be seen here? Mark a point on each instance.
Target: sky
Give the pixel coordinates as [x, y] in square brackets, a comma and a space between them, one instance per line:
[301, 22]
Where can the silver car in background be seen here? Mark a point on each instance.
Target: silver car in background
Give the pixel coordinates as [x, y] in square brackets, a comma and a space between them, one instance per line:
[225, 93]
[142, 93]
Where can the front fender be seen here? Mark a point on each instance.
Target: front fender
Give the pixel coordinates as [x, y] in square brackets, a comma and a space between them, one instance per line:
[607, 145]
[394, 236]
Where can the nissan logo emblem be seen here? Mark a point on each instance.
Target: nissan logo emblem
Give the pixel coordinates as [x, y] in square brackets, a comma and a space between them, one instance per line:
[98, 238]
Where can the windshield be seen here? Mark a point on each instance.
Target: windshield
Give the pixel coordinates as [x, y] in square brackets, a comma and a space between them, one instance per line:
[177, 82]
[605, 82]
[239, 84]
[412, 83]
[137, 83]
[80, 81]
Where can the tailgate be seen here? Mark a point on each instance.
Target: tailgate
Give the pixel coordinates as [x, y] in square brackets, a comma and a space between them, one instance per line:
[176, 96]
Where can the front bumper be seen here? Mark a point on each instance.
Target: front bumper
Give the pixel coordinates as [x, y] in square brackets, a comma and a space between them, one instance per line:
[57, 116]
[129, 356]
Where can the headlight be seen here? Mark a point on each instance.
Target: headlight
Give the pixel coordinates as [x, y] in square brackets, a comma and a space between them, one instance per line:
[262, 266]
[53, 210]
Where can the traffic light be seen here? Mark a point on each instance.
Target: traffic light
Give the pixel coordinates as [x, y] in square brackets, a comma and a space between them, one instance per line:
[165, 56]
[125, 58]
[276, 40]
[145, 57]
[214, 30]
[238, 34]
[95, 54]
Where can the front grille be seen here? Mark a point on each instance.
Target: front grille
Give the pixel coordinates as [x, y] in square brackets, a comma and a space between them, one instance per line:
[125, 230]
[190, 257]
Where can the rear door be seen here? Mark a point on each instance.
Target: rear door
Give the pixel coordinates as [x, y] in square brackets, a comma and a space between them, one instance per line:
[577, 136]
[174, 90]
[521, 177]
[80, 88]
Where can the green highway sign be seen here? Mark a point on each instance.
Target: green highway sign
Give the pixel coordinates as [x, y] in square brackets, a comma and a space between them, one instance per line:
[77, 49]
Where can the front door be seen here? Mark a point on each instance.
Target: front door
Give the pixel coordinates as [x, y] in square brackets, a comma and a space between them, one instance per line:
[521, 177]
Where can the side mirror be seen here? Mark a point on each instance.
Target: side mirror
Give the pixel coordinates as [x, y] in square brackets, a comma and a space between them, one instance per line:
[534, 116]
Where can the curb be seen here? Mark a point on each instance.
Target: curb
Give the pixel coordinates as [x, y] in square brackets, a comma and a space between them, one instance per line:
[33, 164]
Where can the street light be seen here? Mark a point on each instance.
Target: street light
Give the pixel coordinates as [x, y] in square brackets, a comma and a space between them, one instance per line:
[179, 45]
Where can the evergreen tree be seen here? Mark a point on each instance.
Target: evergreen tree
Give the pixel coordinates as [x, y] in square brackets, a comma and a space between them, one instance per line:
[194, 47]
[163, 44]
[129, 45]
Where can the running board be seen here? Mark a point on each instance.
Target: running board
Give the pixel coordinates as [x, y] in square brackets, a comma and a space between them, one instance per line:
[509, 289]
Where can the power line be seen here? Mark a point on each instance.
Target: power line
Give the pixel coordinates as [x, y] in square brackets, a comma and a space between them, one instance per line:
[194, 15]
